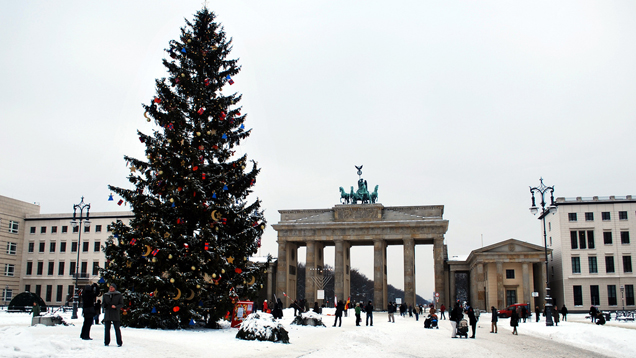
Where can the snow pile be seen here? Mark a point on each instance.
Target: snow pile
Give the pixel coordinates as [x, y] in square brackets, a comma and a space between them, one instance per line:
[310, 318]
[263, 327]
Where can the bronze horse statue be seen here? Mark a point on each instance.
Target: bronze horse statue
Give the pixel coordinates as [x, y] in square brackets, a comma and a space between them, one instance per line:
[344, 197]
[374, 195]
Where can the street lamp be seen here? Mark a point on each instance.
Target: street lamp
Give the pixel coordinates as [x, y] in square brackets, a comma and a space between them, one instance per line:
[81, 206]
[542, 189]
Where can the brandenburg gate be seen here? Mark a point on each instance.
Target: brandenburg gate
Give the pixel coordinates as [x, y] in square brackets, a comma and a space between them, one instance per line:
[351, 224]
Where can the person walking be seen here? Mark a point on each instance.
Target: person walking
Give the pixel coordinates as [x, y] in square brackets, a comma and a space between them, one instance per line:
[98, 311]
[113, 302]
[442, 309]
[455, 317]
[537, 312]
[555, 314]
[317, 308]
[524, 313]
[564, 313]
[514, 321]
[36, 309]
[339, 310]
[358, 313]
[88, 311]
[472, 320]
[493, 320]
[368, 309]
[391, 311]
[593, 313]
[416, 312]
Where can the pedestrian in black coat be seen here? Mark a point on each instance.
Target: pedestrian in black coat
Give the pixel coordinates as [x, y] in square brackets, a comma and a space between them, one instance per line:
[537, 312]
[493, 320]
[339, 310]
[514, 321]
[88, 311]
[593, 313]
[368, 309]
[564, 313]
[98, 311]
[472, 320]
[455, 317]
[524, 313]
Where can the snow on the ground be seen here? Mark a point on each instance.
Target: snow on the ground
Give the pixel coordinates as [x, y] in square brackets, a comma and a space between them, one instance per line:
[405, 337]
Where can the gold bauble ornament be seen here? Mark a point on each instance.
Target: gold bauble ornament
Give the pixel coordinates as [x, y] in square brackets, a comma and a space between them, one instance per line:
[172, 280]
[154, 259]
[170, 256]
[199, 286]
[171, 200]
[160, 172]
[183, 75]
[189, 40]
[193, 268]
[213, 275]
[222, 270]
[169, 140]
[198, 134]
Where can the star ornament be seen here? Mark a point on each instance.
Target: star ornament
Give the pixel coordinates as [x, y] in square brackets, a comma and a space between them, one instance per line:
[230, 260]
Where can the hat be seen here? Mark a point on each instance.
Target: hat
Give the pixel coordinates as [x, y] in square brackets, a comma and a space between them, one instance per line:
[113, 285]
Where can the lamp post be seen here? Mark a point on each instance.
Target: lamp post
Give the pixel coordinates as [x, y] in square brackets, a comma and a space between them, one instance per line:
[623, 296]
[81, 206]
[542, 189]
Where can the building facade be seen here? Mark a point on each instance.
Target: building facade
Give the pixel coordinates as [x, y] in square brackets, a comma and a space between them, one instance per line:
[592, 259]
[55, 250]
[12, 229]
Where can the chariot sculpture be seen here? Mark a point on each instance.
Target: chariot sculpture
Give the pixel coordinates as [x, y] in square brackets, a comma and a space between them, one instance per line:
[361, 195]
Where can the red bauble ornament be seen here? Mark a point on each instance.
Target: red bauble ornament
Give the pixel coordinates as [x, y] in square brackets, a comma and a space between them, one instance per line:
[176, 308]
[238, 270]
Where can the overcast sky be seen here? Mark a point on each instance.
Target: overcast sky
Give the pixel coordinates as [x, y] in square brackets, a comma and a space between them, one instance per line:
[457, 103]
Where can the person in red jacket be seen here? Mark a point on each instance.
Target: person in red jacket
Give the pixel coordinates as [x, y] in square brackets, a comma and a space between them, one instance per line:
[442, 310]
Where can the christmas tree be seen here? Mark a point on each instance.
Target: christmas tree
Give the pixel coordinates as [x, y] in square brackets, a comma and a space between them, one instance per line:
[183, 258]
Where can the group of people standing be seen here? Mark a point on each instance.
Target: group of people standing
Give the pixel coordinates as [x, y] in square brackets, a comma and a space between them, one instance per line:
[92, 307]
[457, 315]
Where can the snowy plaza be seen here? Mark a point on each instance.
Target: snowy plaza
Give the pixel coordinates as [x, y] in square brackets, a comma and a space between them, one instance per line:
[405, 338]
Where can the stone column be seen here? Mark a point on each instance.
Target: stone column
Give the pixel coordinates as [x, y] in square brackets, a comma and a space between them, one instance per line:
[270, 282]
[310, 272]
[339, 271]
[281, 272]
[438, 257]
[453, 290]
[501, 298]
[481, 287]
[379, 276]
[346, 259]
[526, 283]
[409, 271]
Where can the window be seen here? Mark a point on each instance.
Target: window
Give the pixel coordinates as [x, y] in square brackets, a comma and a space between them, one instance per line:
[7, 294]
[31, 246]
[572, 216]
[85, 246]
[609, 264]
[58, 295]
[590, 239]
[95, 268]
[13, 227]
[592, 264]
[12, 248]
[60, 268]
[629, 295]
[43, 230]
[84, 267]
[42, 246]
[32, 230]
[627, 264]
[38, 290]
[594, 295]
[582, 242]
[574, 240]
[576, 264]
[9, 270]
[53, 229]
[75, 229]
[589, 216]
[27, 288]
[74, 246]
[622, 215]
[40, 268]
[64, 229]
[29, 268]
[49, 293]
[607, 237]
[605, 216]
[87, 228]
[624, 237]
[71, 270]
[96, 246]
[98, 228]
[511, 297]
[510, 274]
[51, 268]
[52, 246]
[578, 295]
[611, 295]
[63, 246]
